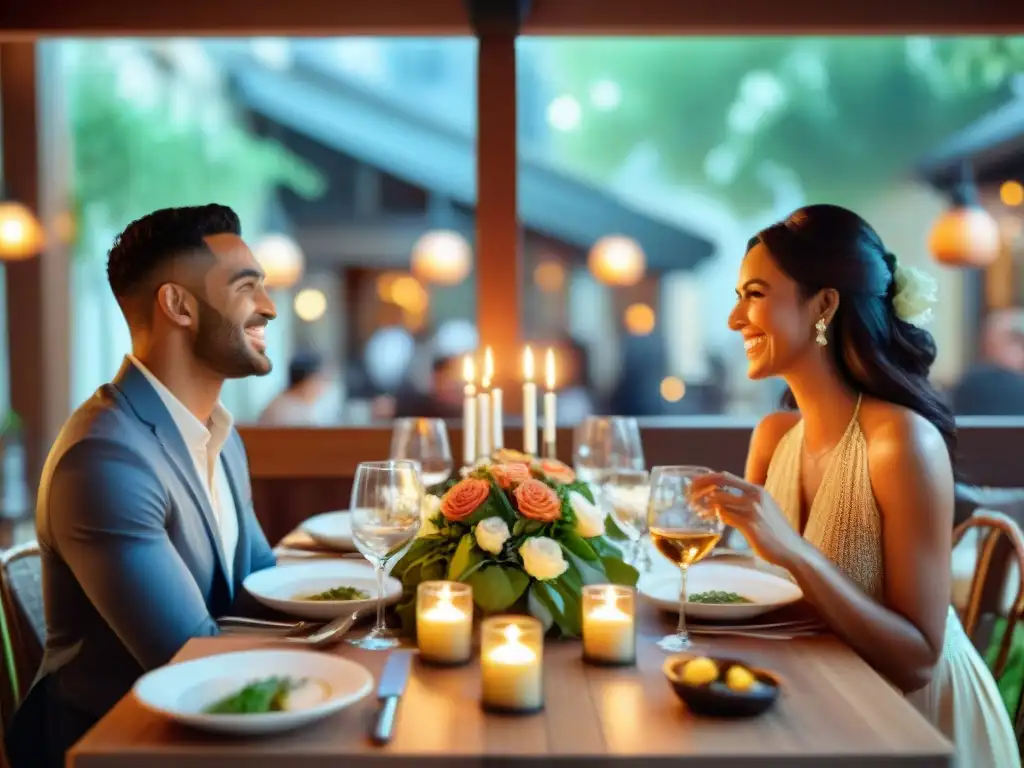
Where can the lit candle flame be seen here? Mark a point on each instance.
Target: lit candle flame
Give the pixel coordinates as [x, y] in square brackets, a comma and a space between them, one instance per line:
[468, 372]
[512, 633]
[488, 365]
[609, 597]
[549, 368]
[528, 364]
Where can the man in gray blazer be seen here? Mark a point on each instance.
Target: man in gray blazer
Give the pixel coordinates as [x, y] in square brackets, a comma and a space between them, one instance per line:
[144, 512]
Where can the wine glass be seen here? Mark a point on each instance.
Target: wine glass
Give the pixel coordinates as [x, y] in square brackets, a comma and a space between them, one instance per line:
[684, 532]
[386, 499]
[424, 441]
[626, 492]
[603, 443]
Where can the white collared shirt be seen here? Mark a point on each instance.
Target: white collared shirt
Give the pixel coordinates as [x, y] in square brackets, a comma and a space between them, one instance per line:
[204, 445]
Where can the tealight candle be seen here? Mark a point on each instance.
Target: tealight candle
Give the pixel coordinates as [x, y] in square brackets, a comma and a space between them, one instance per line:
[511, 664]
[444, 622]
[609, 628]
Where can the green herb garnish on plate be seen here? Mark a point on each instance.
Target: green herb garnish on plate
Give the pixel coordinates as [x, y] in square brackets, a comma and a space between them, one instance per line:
[270, 695]
[340, 593]
[715, 597]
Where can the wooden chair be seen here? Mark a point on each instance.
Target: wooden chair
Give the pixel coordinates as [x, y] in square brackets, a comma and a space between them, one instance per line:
[22, 621]
[997, 531]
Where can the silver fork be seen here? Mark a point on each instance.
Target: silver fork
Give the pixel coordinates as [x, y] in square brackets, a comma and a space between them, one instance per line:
[329, 633]
[263, 626]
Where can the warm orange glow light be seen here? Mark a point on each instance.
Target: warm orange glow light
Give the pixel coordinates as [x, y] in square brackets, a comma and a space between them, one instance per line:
[468, 371]
[672, 389]
[639, 319]
[21, 236]
[1011, 193]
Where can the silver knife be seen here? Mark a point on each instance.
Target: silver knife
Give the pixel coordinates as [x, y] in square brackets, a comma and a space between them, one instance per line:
[392, 685]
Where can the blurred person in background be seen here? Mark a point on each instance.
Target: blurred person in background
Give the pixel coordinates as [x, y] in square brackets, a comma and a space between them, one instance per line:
[442, 396]
[995, 386]
[306, 401]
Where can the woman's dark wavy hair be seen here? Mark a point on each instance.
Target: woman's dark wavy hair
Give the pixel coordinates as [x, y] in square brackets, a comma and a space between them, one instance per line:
[826, 246]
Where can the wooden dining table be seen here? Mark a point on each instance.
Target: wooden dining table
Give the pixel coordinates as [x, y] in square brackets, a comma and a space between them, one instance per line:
[834, 711]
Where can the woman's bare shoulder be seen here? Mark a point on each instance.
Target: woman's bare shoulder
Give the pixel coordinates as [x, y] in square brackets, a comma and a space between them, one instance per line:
[764, 440]
[907, 456]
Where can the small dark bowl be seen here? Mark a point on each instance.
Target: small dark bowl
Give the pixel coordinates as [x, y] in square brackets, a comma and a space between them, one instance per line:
[718, 700]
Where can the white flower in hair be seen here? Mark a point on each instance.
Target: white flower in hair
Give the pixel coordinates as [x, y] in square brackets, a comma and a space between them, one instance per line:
[916, 294]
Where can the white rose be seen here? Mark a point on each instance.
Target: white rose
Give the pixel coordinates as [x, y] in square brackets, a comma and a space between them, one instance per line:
[916, 294]
[542, 558]
[491, 534]
[428, 510]
[589, 517]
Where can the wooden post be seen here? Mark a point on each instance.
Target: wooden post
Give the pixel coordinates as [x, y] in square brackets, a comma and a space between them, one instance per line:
[497, 248]
[35, 152]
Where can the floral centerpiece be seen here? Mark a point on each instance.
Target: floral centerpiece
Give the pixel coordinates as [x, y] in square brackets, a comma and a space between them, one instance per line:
[524, 533]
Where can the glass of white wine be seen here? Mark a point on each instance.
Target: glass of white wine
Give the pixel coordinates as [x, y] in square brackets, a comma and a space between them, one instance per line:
[385, 507]
[681, 531]
[626, 493]
[424, 441]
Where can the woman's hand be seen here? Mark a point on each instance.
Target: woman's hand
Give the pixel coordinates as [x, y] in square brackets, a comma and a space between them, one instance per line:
[751, 510]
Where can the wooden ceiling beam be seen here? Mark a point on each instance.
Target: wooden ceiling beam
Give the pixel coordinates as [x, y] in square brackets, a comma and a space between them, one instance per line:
[27, 19]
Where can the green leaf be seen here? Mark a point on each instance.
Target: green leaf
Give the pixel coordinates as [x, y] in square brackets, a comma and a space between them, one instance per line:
[589, 572]
[573, 542]
[434, 570]
[581, 488]
[406, 611]
[496, 589]
[502, 502]
[466, 556]
[604, 548]
[571, 621]
[613, 531]
[620, 572]
[536, 604]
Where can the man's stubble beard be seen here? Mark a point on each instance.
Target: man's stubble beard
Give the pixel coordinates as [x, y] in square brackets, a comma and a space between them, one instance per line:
[223, 347]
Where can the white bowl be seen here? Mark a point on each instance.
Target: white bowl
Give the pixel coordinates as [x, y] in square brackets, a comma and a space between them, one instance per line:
[283, 587]
[765, 591]
[331, 529]
[183, 691]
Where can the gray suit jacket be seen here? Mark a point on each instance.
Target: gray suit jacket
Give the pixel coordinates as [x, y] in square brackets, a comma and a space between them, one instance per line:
[132, 561]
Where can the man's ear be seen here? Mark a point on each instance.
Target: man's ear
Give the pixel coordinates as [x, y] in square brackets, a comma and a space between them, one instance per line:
[176, 304]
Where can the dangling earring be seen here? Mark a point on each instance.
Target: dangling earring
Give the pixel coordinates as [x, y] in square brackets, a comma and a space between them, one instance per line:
[820, 328]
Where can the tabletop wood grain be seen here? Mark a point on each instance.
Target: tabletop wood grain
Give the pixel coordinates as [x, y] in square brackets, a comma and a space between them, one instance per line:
[835, 711]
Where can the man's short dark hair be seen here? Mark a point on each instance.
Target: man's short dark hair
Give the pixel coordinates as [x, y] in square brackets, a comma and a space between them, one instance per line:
[159, 237]
[302, 367]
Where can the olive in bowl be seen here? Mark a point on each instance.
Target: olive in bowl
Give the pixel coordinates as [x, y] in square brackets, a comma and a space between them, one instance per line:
[721, 687]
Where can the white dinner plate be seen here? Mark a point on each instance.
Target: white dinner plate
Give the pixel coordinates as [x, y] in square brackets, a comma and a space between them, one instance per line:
[331, 529]
[765, 591]
[185, 690]
[283, 587]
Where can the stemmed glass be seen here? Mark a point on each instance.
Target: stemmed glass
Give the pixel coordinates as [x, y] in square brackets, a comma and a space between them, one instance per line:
[627, 492]
[426, 442]
[604, 443]
[683, 532]
[386, 499]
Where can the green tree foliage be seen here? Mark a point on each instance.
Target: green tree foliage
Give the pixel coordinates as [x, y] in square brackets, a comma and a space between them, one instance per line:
[845, 114]
[160, 143]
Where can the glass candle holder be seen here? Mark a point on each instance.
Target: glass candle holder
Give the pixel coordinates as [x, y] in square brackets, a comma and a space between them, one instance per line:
[444, 622]
[512, 664]
[609, 625]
